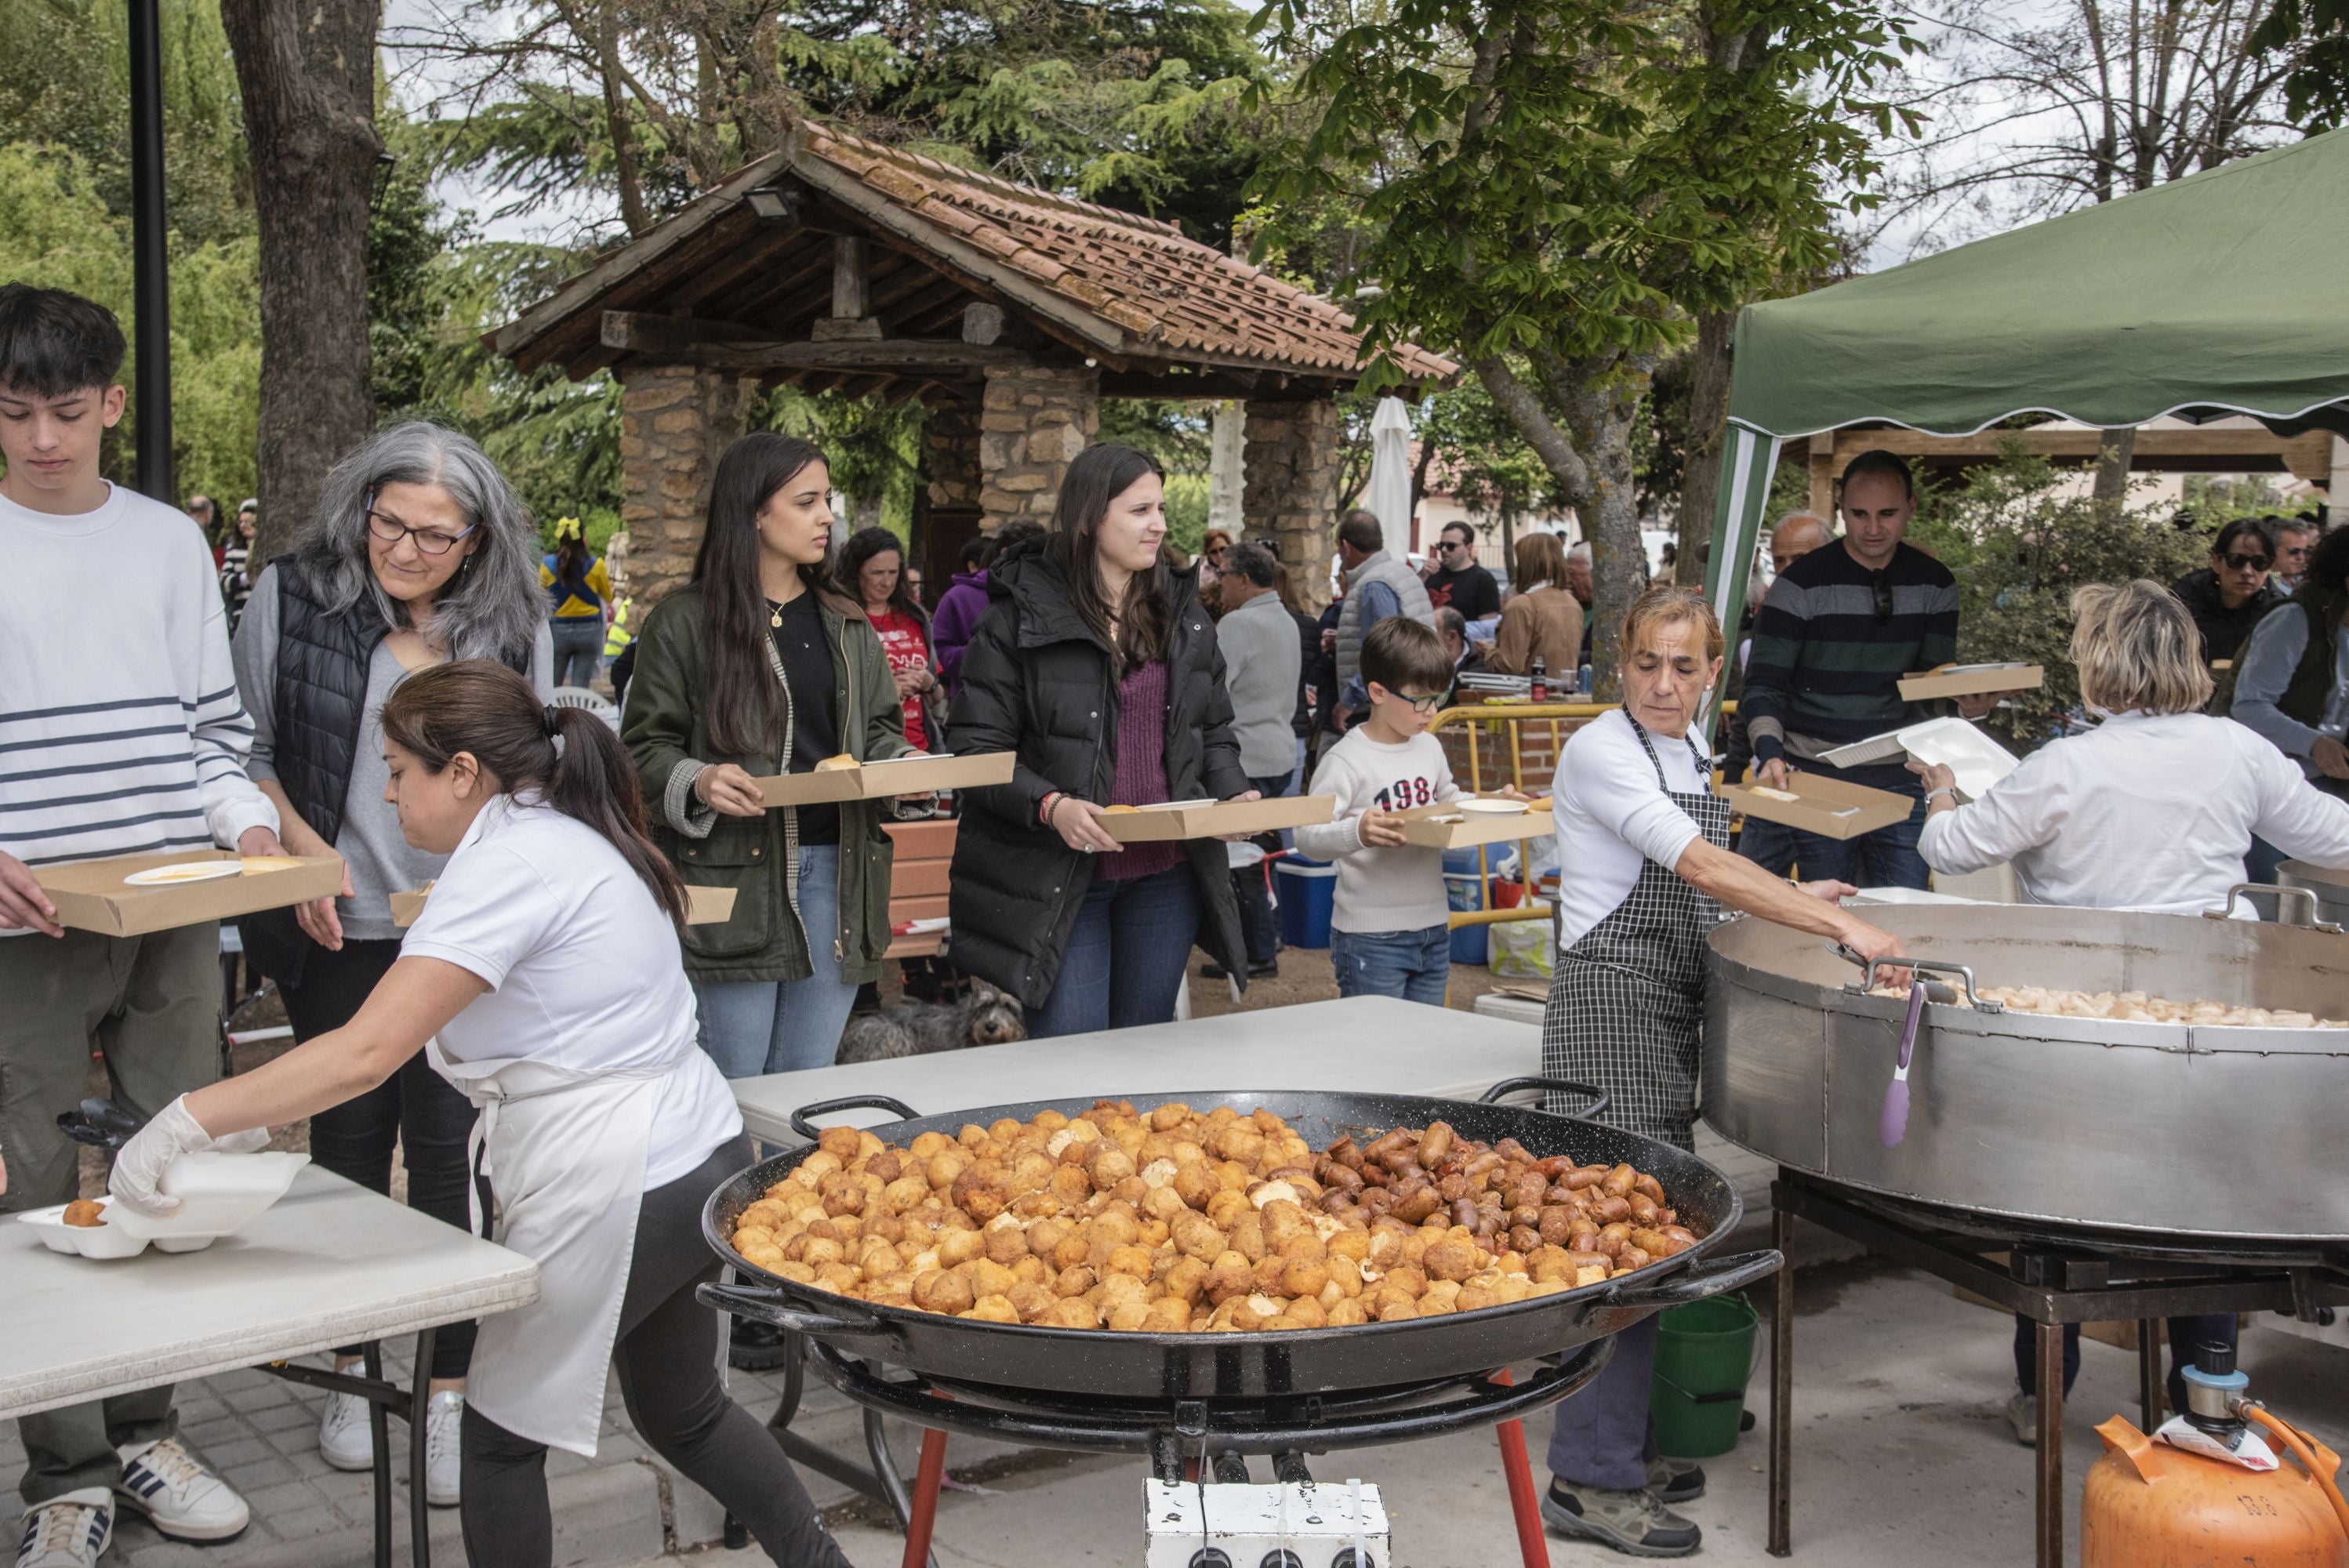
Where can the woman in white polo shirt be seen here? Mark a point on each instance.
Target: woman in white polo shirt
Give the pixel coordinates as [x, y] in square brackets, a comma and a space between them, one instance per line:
[1647, 871]
[546, 980]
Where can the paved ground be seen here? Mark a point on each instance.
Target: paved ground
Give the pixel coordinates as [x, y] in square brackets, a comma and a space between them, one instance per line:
[1898, 1389]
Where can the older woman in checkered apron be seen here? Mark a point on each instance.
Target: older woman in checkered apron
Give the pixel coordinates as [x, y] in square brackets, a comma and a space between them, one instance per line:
[1645, 872]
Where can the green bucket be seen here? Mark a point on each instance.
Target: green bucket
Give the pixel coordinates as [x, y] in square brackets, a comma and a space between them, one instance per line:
[1704, 1352]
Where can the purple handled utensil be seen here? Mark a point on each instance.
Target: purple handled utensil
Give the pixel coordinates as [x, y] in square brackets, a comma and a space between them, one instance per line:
[1892, 1125]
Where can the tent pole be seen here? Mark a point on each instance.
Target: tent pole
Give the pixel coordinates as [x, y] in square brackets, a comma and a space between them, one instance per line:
[1748, 458]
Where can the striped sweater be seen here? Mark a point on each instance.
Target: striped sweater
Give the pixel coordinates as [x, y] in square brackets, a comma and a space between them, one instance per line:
[1831, 644]
[120, 727]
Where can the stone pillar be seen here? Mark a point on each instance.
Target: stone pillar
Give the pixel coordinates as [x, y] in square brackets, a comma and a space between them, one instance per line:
[950, 445]
[1036, 418]
[1292, 464]
[675, 421]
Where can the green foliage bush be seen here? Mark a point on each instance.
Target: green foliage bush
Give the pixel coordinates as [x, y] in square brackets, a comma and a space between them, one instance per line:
[2019, 550]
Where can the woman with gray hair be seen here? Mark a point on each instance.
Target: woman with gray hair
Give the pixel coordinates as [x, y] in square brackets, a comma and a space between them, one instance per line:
[420, 554]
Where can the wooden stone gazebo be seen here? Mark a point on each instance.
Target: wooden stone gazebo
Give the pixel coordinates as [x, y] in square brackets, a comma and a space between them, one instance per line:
[838, 264]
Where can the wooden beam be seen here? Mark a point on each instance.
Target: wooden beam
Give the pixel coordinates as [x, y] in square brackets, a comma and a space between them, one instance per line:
[640, 332]
[2202, 449]
[981, 322]
[852, 284]
[890, 355]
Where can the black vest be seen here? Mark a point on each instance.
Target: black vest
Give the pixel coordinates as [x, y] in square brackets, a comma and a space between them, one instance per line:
[319, 706]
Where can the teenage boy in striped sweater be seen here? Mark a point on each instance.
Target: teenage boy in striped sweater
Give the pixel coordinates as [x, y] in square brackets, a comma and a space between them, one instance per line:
[120, 732]
[1841, 626]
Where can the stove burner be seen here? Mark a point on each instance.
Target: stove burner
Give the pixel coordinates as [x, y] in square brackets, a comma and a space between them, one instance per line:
[1173, 1430]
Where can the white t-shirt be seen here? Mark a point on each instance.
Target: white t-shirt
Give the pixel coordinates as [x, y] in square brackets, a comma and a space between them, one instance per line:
[1612, 818]
[2142, 812]
[1399, 888]
[585, 971]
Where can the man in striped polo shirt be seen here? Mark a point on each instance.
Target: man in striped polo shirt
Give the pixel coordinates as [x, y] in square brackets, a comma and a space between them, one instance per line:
[1840, 627]
[120, 733]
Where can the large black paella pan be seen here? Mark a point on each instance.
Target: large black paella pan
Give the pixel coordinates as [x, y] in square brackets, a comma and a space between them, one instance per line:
[1140, 1366]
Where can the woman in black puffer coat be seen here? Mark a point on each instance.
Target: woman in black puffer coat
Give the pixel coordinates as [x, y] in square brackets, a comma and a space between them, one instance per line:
[1096, 664]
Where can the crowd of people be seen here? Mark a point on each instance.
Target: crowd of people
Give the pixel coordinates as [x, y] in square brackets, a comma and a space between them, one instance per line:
[389, 697]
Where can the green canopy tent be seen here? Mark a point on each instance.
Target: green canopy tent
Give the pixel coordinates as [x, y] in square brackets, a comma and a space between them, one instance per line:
[2216, 294]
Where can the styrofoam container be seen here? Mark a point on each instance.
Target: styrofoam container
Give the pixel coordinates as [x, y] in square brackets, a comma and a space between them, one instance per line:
[1978, 761]
[217, 1192]
[109, 1241]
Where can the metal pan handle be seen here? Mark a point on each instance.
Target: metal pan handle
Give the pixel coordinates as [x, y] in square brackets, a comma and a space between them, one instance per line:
[1598, 1097]
[764, 1306]
[1933, 965]
[1700, 1280]
[2227, 911]
[809, 1130]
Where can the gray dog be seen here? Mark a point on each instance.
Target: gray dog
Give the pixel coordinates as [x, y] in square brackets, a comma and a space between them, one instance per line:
[984, 1016]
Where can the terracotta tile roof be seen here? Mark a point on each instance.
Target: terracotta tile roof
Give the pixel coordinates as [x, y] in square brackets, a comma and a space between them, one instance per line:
[1141, 273]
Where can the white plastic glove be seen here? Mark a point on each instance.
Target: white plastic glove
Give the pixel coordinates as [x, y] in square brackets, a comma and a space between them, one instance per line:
[139, 1165]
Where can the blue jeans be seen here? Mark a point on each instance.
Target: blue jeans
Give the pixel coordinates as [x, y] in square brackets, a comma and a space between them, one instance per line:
[751, 1027]
[578, 645]
[1412, 964]
[1884, 858]
[1257, 921]
[1126, 956]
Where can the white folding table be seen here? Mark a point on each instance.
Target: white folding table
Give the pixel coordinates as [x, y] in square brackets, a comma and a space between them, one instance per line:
[330, 1263]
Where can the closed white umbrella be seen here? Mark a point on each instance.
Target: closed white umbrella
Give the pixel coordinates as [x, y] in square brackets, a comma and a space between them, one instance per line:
[1389, 496]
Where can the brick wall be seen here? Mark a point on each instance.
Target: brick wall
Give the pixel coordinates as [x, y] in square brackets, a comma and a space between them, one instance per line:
[1538, 743]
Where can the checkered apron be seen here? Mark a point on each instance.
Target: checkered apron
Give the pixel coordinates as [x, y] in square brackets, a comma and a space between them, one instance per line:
[1627, 1005]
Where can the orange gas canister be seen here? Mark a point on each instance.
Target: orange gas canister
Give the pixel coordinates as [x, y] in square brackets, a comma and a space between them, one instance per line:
[2149, 1505]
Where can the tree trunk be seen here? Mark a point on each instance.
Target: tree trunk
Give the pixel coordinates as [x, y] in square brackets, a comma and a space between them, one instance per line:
[1707, 418]
[1603, 401]
[305, 71]
[2114, 453]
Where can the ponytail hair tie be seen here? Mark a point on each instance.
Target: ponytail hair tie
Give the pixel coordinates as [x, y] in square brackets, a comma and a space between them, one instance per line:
[553, 718]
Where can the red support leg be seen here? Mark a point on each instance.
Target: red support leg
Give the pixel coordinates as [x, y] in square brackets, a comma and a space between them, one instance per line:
[926, 1481]
[1525, 1503]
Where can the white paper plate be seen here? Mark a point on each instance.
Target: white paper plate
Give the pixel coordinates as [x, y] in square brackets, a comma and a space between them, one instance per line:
[1182, 805]
[1978, 761]
[1493, 808]
[184, 871]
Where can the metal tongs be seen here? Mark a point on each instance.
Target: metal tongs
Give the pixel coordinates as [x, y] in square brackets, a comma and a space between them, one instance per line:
[99, 1123]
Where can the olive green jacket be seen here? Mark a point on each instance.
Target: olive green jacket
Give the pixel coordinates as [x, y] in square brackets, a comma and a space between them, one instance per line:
[667, 734]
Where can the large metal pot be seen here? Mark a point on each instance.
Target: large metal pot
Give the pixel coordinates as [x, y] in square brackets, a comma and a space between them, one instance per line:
[1239, 1365]
[2159, 1128]
[2328, 888]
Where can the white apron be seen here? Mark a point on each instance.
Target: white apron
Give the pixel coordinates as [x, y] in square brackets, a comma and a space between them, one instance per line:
[565, 1153]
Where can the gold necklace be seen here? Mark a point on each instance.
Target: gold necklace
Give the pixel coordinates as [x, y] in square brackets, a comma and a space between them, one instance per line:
[775, 617]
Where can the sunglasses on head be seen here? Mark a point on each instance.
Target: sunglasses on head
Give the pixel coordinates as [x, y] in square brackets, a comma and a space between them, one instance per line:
[2238, 563]
[1881, 586]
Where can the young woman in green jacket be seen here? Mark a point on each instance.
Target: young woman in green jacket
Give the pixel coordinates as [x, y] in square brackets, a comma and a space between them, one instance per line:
[761, 666]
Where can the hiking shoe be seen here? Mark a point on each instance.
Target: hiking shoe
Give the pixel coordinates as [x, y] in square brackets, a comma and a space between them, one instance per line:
[2023, 1415]
[69, 1531]
[345, 1439]
[1675, 1481]
[180, 1494]
[444, 1414]
[1633, 1522]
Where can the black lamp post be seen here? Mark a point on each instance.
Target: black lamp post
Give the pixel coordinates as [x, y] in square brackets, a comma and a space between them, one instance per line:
[151, 276]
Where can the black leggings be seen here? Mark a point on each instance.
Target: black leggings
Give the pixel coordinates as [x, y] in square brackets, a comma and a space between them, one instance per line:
[415, 1107]
[667, 1358]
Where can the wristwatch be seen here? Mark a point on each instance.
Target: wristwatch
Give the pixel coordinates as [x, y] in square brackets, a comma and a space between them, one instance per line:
[1950, 791]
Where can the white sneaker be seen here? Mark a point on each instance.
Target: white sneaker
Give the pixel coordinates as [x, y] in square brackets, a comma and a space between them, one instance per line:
[345, 1439]
[180, 1494]
[444, 1416]
[69, 1531]
[2023, 1416]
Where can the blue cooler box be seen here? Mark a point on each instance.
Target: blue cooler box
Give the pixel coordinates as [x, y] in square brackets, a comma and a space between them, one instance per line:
[1308, 893]
[1463, 889]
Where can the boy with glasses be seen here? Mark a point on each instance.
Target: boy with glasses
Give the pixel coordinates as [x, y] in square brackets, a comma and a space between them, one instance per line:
[1456, 581]
[1841, 626]
[1388, 936]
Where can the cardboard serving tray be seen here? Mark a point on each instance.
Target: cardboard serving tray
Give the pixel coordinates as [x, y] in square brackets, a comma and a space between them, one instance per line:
[703, 905]
[1827, 807]
[1421, 827]
[91, 895]
[878, 780]
[1213, 819]
[1972, 680]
